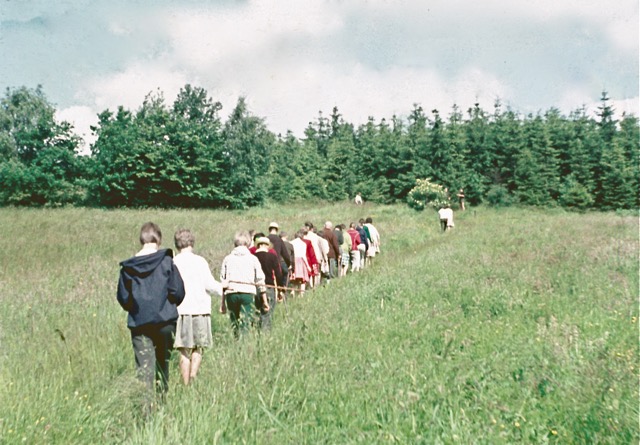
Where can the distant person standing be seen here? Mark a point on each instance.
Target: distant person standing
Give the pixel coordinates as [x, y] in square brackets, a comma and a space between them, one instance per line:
[446, 217]
[461, 199]
[193, 331]
[150, 288]
[358, 199]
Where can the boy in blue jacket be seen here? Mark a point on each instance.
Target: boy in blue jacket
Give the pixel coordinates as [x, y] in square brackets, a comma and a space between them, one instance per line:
[150, 289]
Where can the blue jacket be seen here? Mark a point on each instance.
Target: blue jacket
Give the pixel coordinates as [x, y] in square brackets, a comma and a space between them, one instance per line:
[150, 289]
[363, 237]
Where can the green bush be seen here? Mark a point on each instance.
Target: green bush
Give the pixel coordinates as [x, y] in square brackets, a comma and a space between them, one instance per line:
[427, 194]
[574, 195]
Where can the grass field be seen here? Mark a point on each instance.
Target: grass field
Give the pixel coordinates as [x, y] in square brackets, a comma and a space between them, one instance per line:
[520, 326]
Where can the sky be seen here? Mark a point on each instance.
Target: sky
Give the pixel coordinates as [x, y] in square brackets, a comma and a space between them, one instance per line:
[292, 59]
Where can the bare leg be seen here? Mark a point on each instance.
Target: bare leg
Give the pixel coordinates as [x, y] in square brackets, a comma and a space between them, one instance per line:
[185, 364]
[196, 359]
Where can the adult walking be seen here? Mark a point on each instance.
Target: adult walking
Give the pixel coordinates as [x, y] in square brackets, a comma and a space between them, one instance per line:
[242, 279]
[355, 242]
[446, 217]
[334, 249]
[281, 249]
[302, 270]
[374, 237]
[273, 277]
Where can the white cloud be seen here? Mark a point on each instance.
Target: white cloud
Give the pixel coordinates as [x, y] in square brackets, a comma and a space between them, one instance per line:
[82, 118]
[129, 87]
[369, 57]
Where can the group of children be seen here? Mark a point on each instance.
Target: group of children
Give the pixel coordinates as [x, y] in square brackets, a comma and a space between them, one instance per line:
[168, 299]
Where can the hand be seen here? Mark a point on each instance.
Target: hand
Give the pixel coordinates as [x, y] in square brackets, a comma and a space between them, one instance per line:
[223, 309]
[265, 308]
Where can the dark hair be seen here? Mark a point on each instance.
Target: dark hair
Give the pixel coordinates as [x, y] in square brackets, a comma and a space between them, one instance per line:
[257, 235]
[369, 220]
[150, 233]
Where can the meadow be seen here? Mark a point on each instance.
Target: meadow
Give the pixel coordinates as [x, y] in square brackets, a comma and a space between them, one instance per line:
[519, 326]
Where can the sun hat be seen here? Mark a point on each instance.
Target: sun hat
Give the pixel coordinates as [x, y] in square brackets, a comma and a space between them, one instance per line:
[262, 240]
[274, 225]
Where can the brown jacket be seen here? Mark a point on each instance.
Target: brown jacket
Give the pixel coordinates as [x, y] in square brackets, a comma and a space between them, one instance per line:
[334, 247]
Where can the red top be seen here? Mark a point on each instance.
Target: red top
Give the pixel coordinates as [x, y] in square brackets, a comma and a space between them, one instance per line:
[311, 255]
[355, 238]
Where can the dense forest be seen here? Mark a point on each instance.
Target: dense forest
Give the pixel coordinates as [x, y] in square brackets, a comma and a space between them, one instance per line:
[185, 155]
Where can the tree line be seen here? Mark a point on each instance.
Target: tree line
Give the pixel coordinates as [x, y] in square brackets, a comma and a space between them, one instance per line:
[185, 155]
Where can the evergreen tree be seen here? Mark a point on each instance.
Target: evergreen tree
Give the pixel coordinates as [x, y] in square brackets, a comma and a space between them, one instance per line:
[289, 171]
[537, 178]
[617, 190]
[628, 139]
[417, 142]
[478, 154]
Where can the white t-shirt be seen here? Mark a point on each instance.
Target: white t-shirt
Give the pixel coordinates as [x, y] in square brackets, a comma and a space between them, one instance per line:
[446, 214]
[198, 282]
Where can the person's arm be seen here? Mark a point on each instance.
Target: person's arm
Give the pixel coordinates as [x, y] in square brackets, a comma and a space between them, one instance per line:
[124, 293]
[277, 272]
[223, 283]
[285, 254]
[210, 284]
[260, 284]
[175, 286]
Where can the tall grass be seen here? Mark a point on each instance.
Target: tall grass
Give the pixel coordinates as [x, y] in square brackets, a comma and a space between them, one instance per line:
[518, 326]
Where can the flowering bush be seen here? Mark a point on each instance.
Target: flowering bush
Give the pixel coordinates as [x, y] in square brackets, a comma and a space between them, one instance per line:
[426, 193]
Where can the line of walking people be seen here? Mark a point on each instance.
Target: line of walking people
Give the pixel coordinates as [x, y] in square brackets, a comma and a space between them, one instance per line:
[168, 299]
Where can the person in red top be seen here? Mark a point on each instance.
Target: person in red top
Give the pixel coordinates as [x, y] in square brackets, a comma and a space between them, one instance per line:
[355, 242]
[312, 260]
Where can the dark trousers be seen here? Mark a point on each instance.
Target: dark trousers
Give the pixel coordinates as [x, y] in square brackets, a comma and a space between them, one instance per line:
[285, 274]
[333, 268]
[443, 224]
[240, 307]
[152, 345]
[265, 317]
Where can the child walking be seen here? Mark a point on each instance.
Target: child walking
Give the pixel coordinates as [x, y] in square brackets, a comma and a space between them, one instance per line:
[193, 331]
[150, 288]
